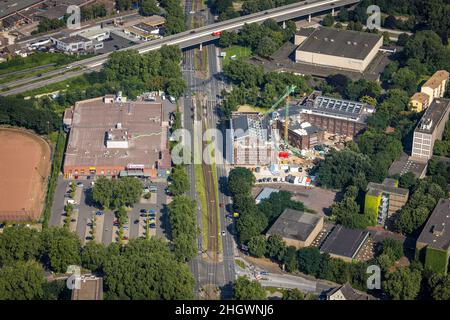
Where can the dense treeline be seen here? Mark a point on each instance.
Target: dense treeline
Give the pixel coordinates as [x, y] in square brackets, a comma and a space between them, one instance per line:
[144, 269]
[442, 147]
[175, 18]
[254, 87]
[49, 24]
[93, 11]
[182, 216]
[263, 39]
[28, 114]
[156, 70]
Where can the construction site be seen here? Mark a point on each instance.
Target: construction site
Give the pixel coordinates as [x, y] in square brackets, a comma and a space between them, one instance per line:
[282, 144]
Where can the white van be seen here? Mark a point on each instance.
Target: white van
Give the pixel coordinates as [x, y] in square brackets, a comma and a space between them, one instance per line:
[172, 99]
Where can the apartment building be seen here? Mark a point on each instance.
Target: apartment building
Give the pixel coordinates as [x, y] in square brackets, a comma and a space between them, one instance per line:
[436, 85]
[430, 128]
[384, 199]
[419, 101]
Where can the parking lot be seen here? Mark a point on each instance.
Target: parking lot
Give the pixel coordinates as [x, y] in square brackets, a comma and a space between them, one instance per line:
[93, 224]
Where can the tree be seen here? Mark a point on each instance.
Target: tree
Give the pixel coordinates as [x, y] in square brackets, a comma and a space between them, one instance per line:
[102, 192]
[182, 217]
[392, 248]
[266, 47]
[148, 8]
[402, 284]
[257, 246]
[390, 22]
[274, 206]
[343, 14]
[19, 244]
[328, 20]
[180, 181]
[61, 249]
[93, 256]
[275, 246]
[290, 259]
[146, 269]
[309, 260]
[408, 180]
[402, 39]
[22, 281]
[250, 224]
[244, 289]
[293, 294]
[440, 286]
[405, 79]
[240, 181]
[347, 211]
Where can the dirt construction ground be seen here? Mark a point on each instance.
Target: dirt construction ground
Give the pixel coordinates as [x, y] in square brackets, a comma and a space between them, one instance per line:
[24, 168]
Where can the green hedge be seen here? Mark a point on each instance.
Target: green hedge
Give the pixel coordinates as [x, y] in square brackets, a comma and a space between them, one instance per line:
[58, 154]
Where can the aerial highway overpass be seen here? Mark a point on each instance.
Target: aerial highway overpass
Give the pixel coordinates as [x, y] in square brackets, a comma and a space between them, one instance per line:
[200, 35]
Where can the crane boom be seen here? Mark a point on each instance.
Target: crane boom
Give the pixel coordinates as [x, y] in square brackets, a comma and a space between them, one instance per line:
[287, 92]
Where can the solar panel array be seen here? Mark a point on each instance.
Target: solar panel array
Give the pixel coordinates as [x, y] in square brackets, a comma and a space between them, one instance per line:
[339, 105]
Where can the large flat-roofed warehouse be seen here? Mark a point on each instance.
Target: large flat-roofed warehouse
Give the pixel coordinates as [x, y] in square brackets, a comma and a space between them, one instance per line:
[297, 228]
[333, 115]
[430, 128]
[112, 137]
[342, 49]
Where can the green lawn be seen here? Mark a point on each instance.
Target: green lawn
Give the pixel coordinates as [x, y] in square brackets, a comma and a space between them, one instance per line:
[238, 51]
[79, 83]
[201, 192]
[37, 59]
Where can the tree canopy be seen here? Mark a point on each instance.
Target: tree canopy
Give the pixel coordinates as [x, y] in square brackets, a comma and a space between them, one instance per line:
[245, 289]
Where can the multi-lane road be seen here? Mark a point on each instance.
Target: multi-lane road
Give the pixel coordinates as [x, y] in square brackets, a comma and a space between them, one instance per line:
[200, 35]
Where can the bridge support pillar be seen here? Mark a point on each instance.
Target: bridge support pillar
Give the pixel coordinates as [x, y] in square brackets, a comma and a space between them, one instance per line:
[309, 18]
[284, 25]
[201, 46]
[333, 13]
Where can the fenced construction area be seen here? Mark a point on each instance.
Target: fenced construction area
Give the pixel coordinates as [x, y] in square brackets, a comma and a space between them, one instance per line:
[24, 168]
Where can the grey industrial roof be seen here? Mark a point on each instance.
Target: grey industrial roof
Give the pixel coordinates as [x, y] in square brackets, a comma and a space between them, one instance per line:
[436, 232]
[55, 12]
[10, 6]
[341, 43]
[344, 242]
[74, 39]
[240, 126]
[265, 194]
[404, 165]
[293, 224]
[93, 119]
[434, 115]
